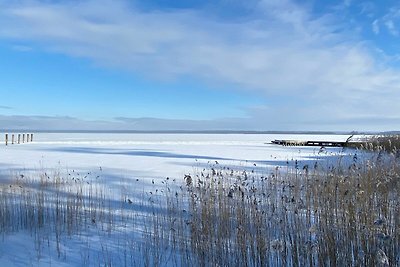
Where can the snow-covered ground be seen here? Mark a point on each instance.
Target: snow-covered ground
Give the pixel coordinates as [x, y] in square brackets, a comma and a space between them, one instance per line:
[151, 156]
[139, 161]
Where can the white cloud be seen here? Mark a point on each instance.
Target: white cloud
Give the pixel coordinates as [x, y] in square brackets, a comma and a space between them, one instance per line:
[391, 27]
[368, 9]
[281, 50]
[391, 19]
[375, 26]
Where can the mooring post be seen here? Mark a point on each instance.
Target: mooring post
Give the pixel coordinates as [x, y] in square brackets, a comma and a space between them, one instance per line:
[27, 138]
[19, 138]
[23, 138]
[6, 139]
[12, 139]
[31, 137]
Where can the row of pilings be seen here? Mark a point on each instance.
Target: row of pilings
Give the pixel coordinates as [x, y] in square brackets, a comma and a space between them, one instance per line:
[12, 139]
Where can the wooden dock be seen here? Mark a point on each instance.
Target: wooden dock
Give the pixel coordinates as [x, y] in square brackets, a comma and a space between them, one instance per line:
[317, 143]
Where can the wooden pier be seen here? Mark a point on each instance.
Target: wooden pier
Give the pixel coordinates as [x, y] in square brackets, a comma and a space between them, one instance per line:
[317, 143]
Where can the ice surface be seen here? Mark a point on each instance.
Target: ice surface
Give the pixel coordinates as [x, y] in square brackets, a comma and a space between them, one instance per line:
[151, 156]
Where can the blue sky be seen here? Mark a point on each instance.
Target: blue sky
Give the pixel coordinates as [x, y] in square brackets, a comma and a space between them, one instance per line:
[200, 65]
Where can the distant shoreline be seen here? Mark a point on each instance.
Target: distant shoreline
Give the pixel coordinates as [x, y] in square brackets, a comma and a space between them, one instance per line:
[196, 132]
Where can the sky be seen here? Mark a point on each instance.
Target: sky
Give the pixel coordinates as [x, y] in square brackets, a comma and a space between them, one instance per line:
[267, 65]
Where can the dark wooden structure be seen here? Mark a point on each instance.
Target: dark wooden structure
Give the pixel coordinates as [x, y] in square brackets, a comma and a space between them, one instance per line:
[29, 138]
[317, 143]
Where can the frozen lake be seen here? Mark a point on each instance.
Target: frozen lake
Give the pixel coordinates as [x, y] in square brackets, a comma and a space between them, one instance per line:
[153, 156]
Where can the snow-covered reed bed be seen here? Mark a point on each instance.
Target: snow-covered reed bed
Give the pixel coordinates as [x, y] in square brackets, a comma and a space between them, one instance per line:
[346, 216]
[388, 143]
[218, 215]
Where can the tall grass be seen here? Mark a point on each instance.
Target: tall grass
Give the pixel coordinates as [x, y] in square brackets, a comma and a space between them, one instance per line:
[388, 143]
[343, 217]
[217, 216]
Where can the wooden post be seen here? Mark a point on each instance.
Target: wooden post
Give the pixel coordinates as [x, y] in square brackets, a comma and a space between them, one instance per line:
[31, 137]
[12, 139]
[19, 138]
[6, 139]
[27, 138]
[23, 138]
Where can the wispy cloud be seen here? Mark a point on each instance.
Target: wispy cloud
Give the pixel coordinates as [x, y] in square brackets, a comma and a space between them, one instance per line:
[58, 123]
[22, 48]
[259, 122]
[281, 49]
[5, 107]
[375, 26]
[347, 2]
[391, 27]
[390, 20]
[367, 8]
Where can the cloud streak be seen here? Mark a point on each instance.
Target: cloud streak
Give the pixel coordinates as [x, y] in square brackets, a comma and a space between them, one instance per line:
[59, 123]
[5, 107]
[257, 123]
[375, 26]
[280, 50]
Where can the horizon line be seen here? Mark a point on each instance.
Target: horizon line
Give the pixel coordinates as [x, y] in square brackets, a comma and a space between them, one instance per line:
[200, 131]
